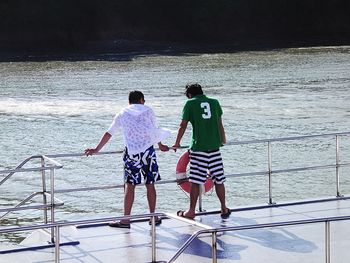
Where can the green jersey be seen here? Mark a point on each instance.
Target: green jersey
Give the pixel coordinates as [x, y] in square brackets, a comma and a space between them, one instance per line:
[204, 114]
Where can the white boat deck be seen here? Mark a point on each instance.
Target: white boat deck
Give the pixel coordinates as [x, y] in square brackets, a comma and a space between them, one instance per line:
[295, 243]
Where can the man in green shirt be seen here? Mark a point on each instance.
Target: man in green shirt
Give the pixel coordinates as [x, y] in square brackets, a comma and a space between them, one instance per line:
[208, 135]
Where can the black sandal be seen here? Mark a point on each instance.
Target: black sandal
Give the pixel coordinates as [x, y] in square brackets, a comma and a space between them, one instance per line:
[226, 215]
[181, 213]
[119, 224]
[158, 221]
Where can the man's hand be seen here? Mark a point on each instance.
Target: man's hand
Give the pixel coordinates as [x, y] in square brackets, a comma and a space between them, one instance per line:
[175, 146]
[163, 147]
[90, 152]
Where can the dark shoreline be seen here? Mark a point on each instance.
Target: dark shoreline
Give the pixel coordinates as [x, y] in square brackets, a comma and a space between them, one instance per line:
[125, 50]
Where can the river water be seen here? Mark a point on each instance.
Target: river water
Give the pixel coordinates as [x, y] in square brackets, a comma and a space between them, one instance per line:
[64, 107]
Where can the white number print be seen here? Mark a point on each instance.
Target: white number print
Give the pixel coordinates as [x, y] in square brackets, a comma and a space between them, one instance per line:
[206, 108]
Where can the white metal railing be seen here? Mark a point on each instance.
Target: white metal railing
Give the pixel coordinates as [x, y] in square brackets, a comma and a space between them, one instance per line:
[269, 172]
[49, 164]
[55, 226]
[214, 231]
[51, 167]
[54, 165]
[207, 229]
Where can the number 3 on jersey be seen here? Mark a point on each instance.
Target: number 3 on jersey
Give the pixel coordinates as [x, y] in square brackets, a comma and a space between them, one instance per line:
[206, 109]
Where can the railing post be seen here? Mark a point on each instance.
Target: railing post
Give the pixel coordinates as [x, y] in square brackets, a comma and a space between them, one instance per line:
[153, 226]
[269, 156]
[52, 192]
[43, 180]
[327, 242]
[214, 246]
[57, 244]
[337, 164]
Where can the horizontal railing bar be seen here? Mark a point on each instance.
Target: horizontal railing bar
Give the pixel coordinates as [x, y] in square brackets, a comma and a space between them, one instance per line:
[278, 224]
[104, 187]
[52, 161]
[298, 169]
[288, 170]
[28, 207]
[175, 181]
[246, 174]
[229, 143]
[18, 166]
[37, 169]
[21, 203]
[182, 147]
[293, 138]
[206, 229]
[93, 188]
[60, 203]
[77, 222]
[61, 155]
[190, 221]
[166, 181]
[277, 205]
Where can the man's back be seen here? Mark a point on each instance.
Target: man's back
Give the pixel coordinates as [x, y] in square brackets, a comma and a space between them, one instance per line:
[204, 114]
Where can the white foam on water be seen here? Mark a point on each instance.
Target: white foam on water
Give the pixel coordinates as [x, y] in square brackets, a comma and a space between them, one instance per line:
[52, 107]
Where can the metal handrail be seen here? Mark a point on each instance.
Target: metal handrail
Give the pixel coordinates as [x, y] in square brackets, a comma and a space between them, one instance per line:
[269, 172]
[292, 138]
[206, 230]
[19, 168]
[56, 226]
[62, 155]
[79, 222]
[297, 169]
[52, 166]
[32, 169]
[28, 198]
[11, 172]
[49, 157]
[214, 231]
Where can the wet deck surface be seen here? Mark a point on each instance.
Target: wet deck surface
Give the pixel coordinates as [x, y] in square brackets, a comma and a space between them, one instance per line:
[300, 243]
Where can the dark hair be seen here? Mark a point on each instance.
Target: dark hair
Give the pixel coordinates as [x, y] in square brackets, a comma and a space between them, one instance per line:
[135, 97]
[193, 89]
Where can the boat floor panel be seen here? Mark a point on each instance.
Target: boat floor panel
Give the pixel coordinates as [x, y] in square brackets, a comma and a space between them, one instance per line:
[288, 244]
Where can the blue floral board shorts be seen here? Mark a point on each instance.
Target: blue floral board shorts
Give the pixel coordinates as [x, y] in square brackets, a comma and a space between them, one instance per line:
[140, 165]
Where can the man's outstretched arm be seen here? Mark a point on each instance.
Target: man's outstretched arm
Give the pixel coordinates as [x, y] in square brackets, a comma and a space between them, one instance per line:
[103, 141]
[180, 133]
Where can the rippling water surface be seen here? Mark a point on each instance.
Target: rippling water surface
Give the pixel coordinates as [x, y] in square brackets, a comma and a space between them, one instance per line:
[65, 107]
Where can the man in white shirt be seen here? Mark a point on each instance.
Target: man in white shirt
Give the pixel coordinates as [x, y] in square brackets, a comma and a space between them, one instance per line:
[138, 125]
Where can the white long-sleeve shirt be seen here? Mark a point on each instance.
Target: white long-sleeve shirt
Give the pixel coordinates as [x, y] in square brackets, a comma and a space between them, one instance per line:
[138, 125]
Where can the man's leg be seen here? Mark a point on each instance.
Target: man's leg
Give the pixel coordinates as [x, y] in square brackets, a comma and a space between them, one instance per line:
[151, 197]
[129, 195]
[220, 192]
[194, 193]
[196, 177]
[216, 170]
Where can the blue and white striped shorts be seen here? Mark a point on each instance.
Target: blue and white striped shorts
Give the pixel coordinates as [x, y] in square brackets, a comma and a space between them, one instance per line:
[206, 163]
[142, 165]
